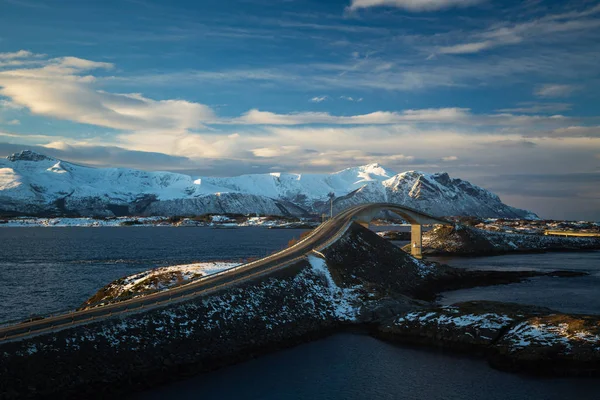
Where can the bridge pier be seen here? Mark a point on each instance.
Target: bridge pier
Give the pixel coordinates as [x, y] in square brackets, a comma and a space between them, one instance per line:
[416, 240]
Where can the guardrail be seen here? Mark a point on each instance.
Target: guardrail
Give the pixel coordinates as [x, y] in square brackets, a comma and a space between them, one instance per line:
[572, 233]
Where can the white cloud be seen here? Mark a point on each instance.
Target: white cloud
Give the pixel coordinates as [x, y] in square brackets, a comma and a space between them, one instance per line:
[465, 48]
[13, 122]
[450, 158]
[554, 90]
[257, 117]
[318, 99]
[559, 27]
[16, 54]
[534, 108]
[60, 89]
[269, 152]
[413, 5]
[348, 98]
[577, 131]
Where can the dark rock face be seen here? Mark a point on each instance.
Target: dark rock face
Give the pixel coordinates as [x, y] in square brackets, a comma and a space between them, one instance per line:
[361, 257]
[514, 337]
[27, 155]
[463, 240]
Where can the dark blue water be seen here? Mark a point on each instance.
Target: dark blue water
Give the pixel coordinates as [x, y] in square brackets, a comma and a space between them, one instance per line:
[570, 295]
[47, 269]
[359, 367]
[43, 270]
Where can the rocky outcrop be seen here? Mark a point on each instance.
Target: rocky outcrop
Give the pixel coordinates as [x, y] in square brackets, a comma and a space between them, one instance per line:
[513, 337]
[463, 240]
[552, 344]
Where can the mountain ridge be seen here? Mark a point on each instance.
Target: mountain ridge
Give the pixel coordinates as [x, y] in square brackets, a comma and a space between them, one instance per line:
[35, 184]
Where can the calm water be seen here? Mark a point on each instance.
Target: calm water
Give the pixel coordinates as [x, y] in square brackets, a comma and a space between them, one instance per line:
[571, 295]
[359, 367]
[46, 269]
[43, 270]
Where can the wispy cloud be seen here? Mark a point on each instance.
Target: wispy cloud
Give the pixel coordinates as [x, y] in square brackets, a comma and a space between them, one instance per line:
[318, 99]
[550, 28]
[16, 54]
[465, 48]
[348, 98]
[554, 90]
[536, 108]
[257, 117]
[413, 5]
[450, 158]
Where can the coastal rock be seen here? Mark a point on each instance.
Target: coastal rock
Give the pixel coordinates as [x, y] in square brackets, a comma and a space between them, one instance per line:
[514, 337]
[464, 240]
[151, 281]
[466, 326]
[555, 344]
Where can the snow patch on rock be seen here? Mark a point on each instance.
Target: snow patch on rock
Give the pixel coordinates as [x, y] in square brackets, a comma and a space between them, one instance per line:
[478, 321]
[345, 300]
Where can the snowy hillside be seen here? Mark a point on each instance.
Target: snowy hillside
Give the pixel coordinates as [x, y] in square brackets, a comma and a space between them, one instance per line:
[34, 184]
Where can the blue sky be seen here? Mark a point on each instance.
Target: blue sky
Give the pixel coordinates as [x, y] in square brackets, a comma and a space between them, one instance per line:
[504, 94]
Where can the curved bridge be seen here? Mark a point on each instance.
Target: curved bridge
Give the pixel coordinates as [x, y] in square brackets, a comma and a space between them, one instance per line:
[323, 236]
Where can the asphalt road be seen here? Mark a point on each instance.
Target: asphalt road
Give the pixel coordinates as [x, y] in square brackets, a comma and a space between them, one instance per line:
[323, 235]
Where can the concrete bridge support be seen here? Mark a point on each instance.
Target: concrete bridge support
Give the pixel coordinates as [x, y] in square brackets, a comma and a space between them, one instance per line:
[415, 218]
[416, 240]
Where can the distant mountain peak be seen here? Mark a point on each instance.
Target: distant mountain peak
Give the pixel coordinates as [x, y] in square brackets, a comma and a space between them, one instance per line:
[374, 169]
[35, 184]
[28, 155]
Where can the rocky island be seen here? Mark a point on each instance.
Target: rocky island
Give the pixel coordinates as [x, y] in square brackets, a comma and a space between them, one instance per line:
[469, 241]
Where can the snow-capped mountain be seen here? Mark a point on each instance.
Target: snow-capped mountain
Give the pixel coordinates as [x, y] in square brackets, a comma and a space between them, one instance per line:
[34, 184]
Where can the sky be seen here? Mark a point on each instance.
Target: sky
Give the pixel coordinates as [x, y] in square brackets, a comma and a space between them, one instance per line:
[505, 94]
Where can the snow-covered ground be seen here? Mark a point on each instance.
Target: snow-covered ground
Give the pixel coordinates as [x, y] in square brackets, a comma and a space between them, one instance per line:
[530, 333]
[216, 220]
[85, 222]
[344, 300]
[536, 226]
[159, 279]
[451, 316]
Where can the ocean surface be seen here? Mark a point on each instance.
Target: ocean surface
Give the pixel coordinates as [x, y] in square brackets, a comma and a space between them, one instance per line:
[358, 367]
[45, 270]
[48, 269]
[570, 295]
